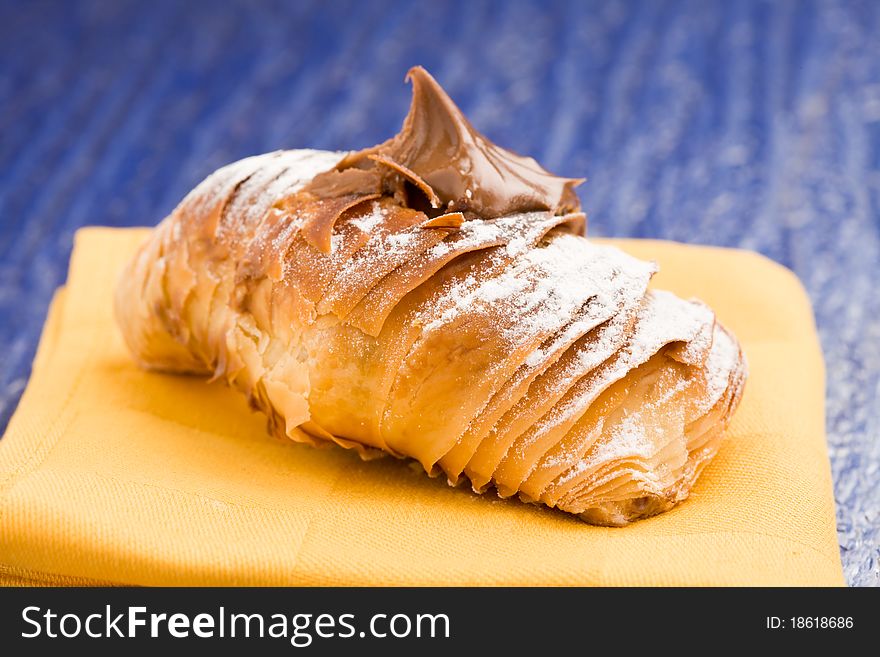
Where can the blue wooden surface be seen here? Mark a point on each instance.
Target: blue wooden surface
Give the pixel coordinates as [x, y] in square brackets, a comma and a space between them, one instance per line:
[753, 124]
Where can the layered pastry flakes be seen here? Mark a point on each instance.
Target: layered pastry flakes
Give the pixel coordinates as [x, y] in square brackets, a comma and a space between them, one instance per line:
[434, 298]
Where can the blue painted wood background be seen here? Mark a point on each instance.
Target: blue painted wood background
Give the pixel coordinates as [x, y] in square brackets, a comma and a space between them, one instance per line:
[751, 123]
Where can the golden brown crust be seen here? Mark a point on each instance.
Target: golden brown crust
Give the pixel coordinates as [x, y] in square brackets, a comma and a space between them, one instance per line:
[510, 351]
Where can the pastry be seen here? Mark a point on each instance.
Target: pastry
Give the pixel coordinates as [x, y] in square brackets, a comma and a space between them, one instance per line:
[434, 298]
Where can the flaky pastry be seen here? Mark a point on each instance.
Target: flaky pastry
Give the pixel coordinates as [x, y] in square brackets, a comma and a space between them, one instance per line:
[433, 298]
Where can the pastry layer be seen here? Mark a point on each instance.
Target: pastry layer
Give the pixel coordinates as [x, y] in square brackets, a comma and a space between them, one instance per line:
[511, 352]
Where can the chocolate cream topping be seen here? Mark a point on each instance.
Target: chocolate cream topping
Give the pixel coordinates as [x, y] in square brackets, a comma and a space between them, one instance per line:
[439, 164]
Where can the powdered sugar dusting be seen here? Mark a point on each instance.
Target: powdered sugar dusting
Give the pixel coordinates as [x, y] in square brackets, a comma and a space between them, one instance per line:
[280, 174]
[723, 358]
[544, 287]
[626, 282]
[662, 319]
[517, 232]
[368, 223]
[635, 435]
[628, 437]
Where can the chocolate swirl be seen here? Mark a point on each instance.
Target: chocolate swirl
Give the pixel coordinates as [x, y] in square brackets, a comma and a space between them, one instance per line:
[439, 163]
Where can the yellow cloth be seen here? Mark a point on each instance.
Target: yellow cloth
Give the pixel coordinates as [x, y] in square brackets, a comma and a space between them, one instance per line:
[109, 474]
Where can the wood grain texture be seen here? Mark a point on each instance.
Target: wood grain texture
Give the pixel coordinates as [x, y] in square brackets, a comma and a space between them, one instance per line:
[749, 123]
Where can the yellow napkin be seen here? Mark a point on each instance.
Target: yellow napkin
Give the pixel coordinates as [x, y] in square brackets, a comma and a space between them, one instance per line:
[109, 474]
